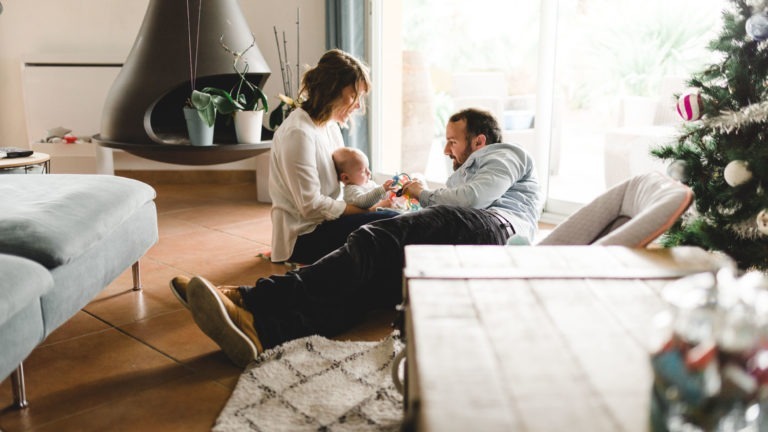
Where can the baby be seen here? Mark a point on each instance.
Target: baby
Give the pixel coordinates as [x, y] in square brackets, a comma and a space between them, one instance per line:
[359, 190]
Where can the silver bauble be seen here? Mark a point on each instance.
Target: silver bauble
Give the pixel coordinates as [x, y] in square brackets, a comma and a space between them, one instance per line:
[737, 173]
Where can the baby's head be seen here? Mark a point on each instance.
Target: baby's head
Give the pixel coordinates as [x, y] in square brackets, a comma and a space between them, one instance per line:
[351, 166]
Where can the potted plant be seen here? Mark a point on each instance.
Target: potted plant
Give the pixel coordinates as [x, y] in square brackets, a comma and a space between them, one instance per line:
[211, 101]
[246, 99]
[200, 113]
[201, 110]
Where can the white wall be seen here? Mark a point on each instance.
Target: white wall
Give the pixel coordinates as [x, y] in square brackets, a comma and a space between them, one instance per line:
[94, 28]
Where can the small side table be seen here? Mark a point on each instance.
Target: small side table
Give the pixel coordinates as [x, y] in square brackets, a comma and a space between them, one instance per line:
[36, 159]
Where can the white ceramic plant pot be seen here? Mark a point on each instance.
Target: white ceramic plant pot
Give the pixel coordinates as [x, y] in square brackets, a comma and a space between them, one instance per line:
[248, 126]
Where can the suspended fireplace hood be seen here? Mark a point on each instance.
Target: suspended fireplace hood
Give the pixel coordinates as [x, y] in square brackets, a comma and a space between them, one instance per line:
[143, 111]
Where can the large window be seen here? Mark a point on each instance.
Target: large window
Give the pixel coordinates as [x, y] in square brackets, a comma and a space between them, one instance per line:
[586, 86]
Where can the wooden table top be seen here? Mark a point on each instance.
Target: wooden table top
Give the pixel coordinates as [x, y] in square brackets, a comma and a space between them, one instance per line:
[541, 338]
[33, 159]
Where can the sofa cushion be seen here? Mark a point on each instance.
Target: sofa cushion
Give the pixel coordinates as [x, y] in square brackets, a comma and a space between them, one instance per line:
[54, 218]
[22, 283]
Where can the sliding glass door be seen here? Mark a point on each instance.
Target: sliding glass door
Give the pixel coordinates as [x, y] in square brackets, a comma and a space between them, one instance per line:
[617, 66]
[586, 86]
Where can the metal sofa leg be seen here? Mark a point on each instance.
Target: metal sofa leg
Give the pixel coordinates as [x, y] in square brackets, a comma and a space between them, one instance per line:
[396, 380]
[19, 390]
[136, 276]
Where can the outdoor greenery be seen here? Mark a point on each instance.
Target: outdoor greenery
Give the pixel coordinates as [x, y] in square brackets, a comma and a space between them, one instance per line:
[629, 47]
[481, 35]
[605, 47]
[604, 50]
[456, 36]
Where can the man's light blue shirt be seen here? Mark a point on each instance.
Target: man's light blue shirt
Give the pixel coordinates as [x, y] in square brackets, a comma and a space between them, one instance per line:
[498, 177]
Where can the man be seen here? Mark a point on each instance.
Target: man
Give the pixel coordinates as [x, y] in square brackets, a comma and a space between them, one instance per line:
[492, 194]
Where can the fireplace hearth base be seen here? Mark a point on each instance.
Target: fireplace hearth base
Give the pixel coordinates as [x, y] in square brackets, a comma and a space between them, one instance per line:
[185, 154]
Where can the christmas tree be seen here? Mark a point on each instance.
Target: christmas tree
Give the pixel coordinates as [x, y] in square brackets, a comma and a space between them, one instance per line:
[722, 149]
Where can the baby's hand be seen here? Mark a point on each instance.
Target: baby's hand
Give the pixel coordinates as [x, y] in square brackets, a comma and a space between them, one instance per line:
[389, 185]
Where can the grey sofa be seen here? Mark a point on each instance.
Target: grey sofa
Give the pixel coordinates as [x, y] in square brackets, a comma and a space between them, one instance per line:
[63, 238]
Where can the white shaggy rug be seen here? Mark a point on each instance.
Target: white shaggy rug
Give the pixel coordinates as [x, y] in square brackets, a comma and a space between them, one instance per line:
[316, 384]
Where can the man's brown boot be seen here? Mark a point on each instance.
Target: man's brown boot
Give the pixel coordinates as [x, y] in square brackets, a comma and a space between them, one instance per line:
[232, 293]
[180, 283]
[179, 289]
[228, 324]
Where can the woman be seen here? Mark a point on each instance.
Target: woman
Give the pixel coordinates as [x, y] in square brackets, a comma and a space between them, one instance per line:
[307, 219]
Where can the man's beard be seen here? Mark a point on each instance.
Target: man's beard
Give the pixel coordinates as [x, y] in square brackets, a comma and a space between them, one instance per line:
[456, 163]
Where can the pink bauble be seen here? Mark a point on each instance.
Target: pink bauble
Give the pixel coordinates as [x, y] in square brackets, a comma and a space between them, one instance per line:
[689, 106]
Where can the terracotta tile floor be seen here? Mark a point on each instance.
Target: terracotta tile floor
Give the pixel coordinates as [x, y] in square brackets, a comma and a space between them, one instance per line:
[135, 361]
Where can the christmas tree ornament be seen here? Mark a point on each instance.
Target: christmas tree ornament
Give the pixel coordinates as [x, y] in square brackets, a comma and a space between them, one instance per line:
[737, 173]
[676, 170]
[757, 26]
[762, 222]
[689, 106]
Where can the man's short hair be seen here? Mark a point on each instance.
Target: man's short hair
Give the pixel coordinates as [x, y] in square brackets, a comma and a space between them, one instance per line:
[479, 122]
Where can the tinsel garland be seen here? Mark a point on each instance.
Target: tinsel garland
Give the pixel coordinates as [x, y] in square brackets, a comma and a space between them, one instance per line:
[729, 121]
[746, 230]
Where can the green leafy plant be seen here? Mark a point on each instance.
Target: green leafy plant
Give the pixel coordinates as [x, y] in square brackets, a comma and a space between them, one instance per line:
[245, 95]
[210, 101]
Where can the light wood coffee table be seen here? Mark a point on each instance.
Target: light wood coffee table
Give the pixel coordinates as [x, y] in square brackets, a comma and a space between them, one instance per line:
[42, 159]
[541, 338]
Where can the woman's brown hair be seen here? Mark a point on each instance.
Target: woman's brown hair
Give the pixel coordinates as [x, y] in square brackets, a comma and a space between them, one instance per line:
[322, 85]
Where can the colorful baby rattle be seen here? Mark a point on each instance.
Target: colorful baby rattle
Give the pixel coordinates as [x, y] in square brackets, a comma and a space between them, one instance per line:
[400, 200]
